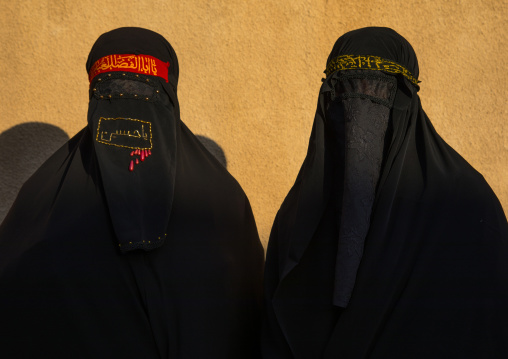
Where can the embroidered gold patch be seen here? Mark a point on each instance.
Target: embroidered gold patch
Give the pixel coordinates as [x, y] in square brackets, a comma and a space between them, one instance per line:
[368, 62]
[125, 132]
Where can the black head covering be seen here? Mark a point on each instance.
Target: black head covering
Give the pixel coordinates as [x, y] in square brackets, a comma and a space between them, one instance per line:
[389, 244]
[138, 41]
[71, 282]
[139, 202]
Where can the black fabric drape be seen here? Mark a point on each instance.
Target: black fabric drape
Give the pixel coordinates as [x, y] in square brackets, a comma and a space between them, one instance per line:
[67, 289]
[432, 279]
[139, 202]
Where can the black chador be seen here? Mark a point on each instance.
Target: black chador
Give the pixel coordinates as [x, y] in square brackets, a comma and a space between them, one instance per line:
[132, 240]
[389, 245]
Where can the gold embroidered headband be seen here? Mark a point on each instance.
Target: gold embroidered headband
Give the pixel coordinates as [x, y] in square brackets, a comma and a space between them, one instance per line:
[368, 62]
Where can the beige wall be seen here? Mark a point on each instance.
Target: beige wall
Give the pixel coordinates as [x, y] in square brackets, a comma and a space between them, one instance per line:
[249, 77]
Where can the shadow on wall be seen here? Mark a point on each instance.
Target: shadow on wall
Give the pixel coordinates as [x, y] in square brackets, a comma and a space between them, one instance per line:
[24, 149]
[214, 149]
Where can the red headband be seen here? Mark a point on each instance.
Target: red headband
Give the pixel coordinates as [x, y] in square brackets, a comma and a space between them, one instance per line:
[140, 64]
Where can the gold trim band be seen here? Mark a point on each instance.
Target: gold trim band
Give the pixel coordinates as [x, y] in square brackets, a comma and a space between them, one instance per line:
[368, 62]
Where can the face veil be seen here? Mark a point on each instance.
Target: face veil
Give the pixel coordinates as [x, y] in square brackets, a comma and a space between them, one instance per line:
[387, 232]
[132, 116]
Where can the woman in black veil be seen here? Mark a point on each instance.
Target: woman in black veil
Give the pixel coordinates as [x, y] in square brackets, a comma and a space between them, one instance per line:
[389, 244]
[132, 240]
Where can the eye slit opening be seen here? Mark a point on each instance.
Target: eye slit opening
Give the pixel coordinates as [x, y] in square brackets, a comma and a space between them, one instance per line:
[125, 88]
[378, 87]
[365, 86]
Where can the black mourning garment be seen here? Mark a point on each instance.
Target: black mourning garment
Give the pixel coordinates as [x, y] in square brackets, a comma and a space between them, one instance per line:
[132, 240]
[389, 245]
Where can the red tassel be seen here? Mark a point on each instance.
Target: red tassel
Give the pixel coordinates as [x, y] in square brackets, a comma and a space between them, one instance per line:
[137, 152]
[137, 161]
[142, 155]
[150, 152]
[132, 153]
[131, 166]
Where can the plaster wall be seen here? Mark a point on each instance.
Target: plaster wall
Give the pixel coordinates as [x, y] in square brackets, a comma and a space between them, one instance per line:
[250, 72]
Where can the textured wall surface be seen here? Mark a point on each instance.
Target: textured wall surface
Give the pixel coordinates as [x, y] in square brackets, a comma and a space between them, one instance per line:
[250, 72]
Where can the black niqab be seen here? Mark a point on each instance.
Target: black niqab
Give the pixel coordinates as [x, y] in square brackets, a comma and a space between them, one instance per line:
[71, 283]
[389, 245]
[139, 200]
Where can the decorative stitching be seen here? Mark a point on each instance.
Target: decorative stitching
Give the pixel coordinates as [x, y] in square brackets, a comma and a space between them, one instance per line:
[146, 90]
[368, 62]
[146, 245]
[126, 133]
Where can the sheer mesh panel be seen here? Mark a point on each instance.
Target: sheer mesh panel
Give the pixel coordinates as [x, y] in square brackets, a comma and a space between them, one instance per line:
[126, 86]
[358, 113]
